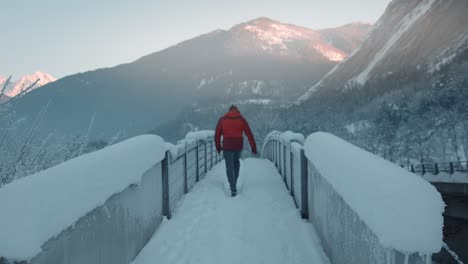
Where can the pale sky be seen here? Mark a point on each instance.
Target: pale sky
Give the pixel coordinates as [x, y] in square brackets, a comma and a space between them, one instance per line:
[63, 37]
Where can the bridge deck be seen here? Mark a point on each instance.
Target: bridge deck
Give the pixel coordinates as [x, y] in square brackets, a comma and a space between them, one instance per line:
[260, 225]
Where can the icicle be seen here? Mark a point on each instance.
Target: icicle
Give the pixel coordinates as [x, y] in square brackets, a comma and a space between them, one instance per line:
[428, 259]
[107, 211]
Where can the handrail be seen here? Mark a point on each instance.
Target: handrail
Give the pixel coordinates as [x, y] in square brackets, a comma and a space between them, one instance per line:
[201, 159]
[436, 168]
[163, 181]
[295, 180]
[317, 201]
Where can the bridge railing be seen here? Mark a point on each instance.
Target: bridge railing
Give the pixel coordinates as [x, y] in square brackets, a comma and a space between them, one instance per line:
[111, 227]
[350, 230]
[287, 153]
[186, 165]
[437, 168]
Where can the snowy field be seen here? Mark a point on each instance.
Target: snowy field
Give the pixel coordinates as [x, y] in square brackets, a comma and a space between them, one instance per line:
[260, 225]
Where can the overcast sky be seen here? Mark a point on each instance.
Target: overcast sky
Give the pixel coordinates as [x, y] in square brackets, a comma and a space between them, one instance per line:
[65, 37]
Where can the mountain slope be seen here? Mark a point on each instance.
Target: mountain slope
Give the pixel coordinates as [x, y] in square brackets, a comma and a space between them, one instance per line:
[411, 35]
[347, 38]
[403, 93]
[261, 60]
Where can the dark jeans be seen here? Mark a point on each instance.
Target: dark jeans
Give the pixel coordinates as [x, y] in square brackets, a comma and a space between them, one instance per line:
[231, 157]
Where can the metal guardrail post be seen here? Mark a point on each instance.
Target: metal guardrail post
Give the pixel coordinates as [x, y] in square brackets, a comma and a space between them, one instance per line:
[291, 171]
[412, 168]
[215, 153]
[279, 156]
[276, 153]
[185, 170]
[281, 159]
[436, 169]
[198, 163]
[285, 174]
[423, 169]
[206, 160]
[165, 186]
[211, 154]
[451, 168]
[304, 186]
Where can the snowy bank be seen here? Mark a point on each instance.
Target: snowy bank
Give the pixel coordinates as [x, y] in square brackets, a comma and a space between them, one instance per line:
[403, 210]
[41, 206]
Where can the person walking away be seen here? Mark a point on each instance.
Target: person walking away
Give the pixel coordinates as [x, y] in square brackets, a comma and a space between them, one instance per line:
[232, 126]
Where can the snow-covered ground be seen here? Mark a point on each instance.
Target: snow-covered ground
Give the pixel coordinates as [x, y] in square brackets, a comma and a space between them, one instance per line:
[260, 225]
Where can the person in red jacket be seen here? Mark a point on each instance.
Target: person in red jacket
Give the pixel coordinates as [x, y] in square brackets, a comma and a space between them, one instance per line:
[232, 126]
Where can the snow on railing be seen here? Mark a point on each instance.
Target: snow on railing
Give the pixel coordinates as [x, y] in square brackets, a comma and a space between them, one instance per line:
[116, 196]
[365, 209]
[286, 152]
[188, 161]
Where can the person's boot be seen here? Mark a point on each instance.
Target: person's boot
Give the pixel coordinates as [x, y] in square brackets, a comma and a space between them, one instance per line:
[233, 193]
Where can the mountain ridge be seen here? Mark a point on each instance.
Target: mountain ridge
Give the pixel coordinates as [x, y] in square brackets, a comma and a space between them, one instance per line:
[218, 67]
[408, 25]
[17, 86]
[404, 88]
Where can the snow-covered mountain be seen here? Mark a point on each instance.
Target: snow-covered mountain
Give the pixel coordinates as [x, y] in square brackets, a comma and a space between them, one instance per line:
[415, 35]
[15, 87]
[406, 83]
[258, 61]
[266, 36]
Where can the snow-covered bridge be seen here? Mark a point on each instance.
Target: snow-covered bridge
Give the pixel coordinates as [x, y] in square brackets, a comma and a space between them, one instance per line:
[314, 200]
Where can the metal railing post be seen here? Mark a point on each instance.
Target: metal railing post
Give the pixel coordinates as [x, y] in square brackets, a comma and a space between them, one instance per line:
[451, 168]
[185, 170]
[304, 186]
[211, 154]
[285, 174]
[436, 169]
[165, 186]
[274, 152]
[291, 171]
[215, 155]
[198, 163]
[206, 160]
[423, 169]
[277, 154]
[280, 161]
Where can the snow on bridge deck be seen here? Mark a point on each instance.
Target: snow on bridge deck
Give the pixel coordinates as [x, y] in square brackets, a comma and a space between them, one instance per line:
[260, 225]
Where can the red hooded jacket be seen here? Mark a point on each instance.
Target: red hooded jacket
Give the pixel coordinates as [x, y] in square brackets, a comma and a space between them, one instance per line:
[231, 126]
